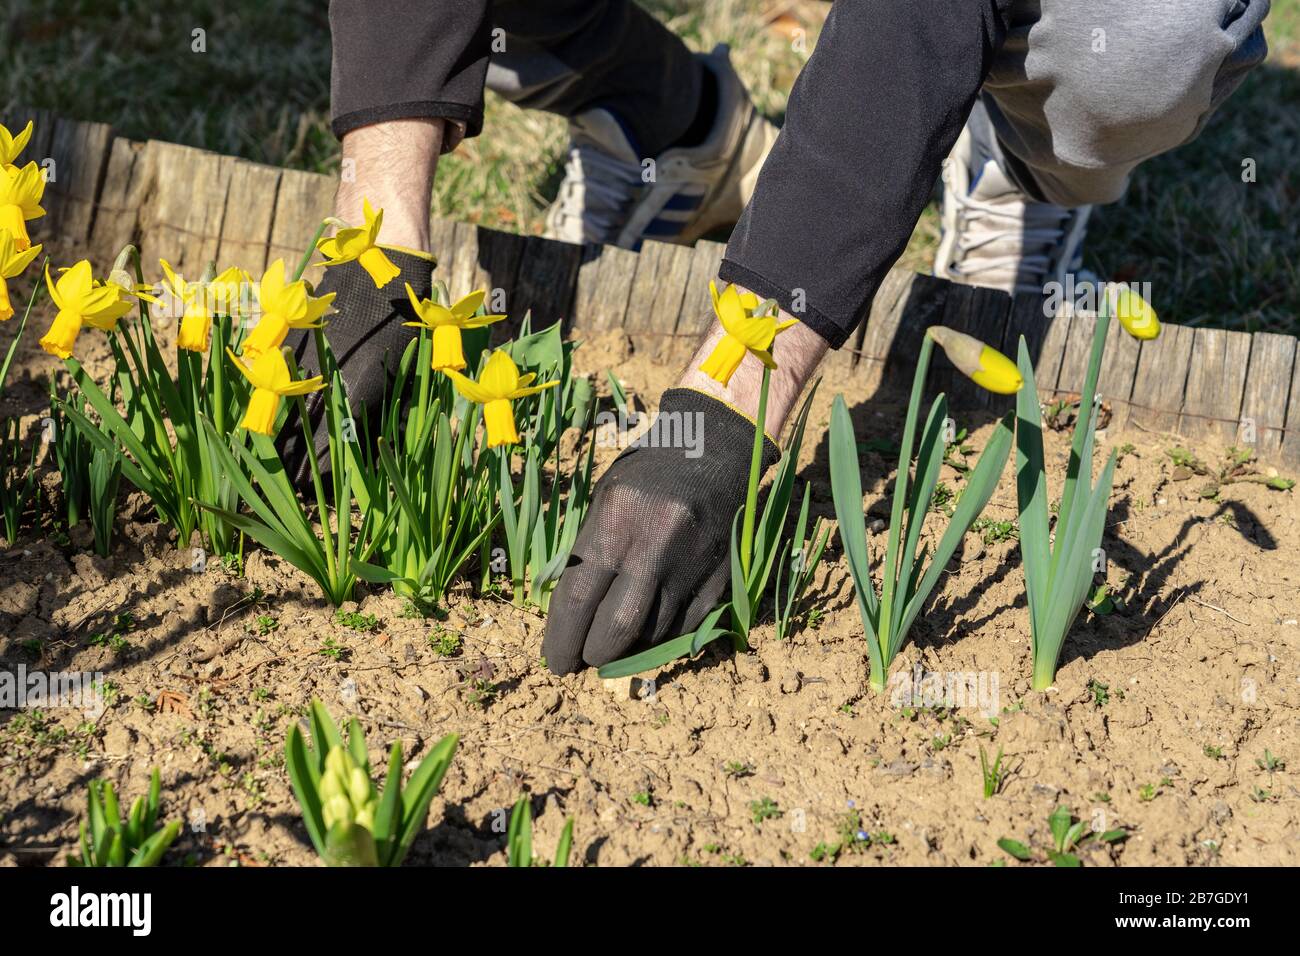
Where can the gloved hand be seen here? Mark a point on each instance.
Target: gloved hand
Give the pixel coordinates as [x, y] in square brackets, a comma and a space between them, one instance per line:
[651, 559]
[367, 337]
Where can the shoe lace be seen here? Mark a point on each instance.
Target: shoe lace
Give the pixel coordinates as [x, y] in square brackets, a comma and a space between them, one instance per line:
[1036, 231]
[596, 196]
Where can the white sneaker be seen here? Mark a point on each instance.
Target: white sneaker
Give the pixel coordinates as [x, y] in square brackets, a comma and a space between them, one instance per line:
[993, 235]
[605, 196]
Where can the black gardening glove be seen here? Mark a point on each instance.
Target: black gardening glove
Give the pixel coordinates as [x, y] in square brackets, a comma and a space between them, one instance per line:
[367, 337]
[652, 558]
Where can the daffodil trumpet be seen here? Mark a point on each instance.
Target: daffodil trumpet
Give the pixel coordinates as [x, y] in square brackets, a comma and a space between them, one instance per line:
[906, 578]
[1060, 567]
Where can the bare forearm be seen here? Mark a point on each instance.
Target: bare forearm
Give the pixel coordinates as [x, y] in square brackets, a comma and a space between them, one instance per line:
[798, 351]
[392, 164]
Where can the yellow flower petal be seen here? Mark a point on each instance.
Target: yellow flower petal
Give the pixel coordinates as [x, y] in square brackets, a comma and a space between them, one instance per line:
[532, 389]
[500, 376]
[466, 307]
[268, 335]
[468, 387]
[12, 260]
[11, 146]
[6, 307]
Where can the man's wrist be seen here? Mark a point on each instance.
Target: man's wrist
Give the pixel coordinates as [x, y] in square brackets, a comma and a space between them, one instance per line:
[797, 351]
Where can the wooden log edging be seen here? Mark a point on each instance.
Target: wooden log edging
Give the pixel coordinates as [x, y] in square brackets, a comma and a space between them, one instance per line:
[188, 206]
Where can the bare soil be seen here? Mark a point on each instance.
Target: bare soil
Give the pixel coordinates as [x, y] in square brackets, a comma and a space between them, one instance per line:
[1159, 720]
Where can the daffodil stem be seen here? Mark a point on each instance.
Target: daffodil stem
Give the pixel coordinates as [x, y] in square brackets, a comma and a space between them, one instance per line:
[755, 474]
[311, 247]
[217, 368]
[324, 514]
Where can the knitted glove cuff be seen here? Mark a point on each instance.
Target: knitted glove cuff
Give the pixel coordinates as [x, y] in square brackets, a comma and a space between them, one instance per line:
[727, 435]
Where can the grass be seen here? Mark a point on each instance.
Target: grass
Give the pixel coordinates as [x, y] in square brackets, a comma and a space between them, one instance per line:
[1216, 250]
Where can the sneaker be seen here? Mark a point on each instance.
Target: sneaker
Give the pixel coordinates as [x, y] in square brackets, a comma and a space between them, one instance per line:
[695, 190]
[992, 234]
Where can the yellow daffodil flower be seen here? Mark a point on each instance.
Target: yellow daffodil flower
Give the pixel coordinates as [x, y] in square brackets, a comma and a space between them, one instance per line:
[1134, 312]
[285, 306]
[269, 376]
[12, 264]
[200, 300]
[10, 145]
[984, 365]
[361, 243]
[446, 324]
[83, 300]
[20, 200]
[745, 332]
[496, 388]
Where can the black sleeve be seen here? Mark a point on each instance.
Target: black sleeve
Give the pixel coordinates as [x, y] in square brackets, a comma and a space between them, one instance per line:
[400, 59]
[873, 114]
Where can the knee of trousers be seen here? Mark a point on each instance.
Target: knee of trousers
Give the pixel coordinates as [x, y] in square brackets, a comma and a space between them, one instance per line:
[1094, 89]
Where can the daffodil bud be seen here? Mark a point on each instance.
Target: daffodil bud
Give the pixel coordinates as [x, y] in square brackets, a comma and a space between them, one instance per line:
[1133, 311]
[984, 365]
